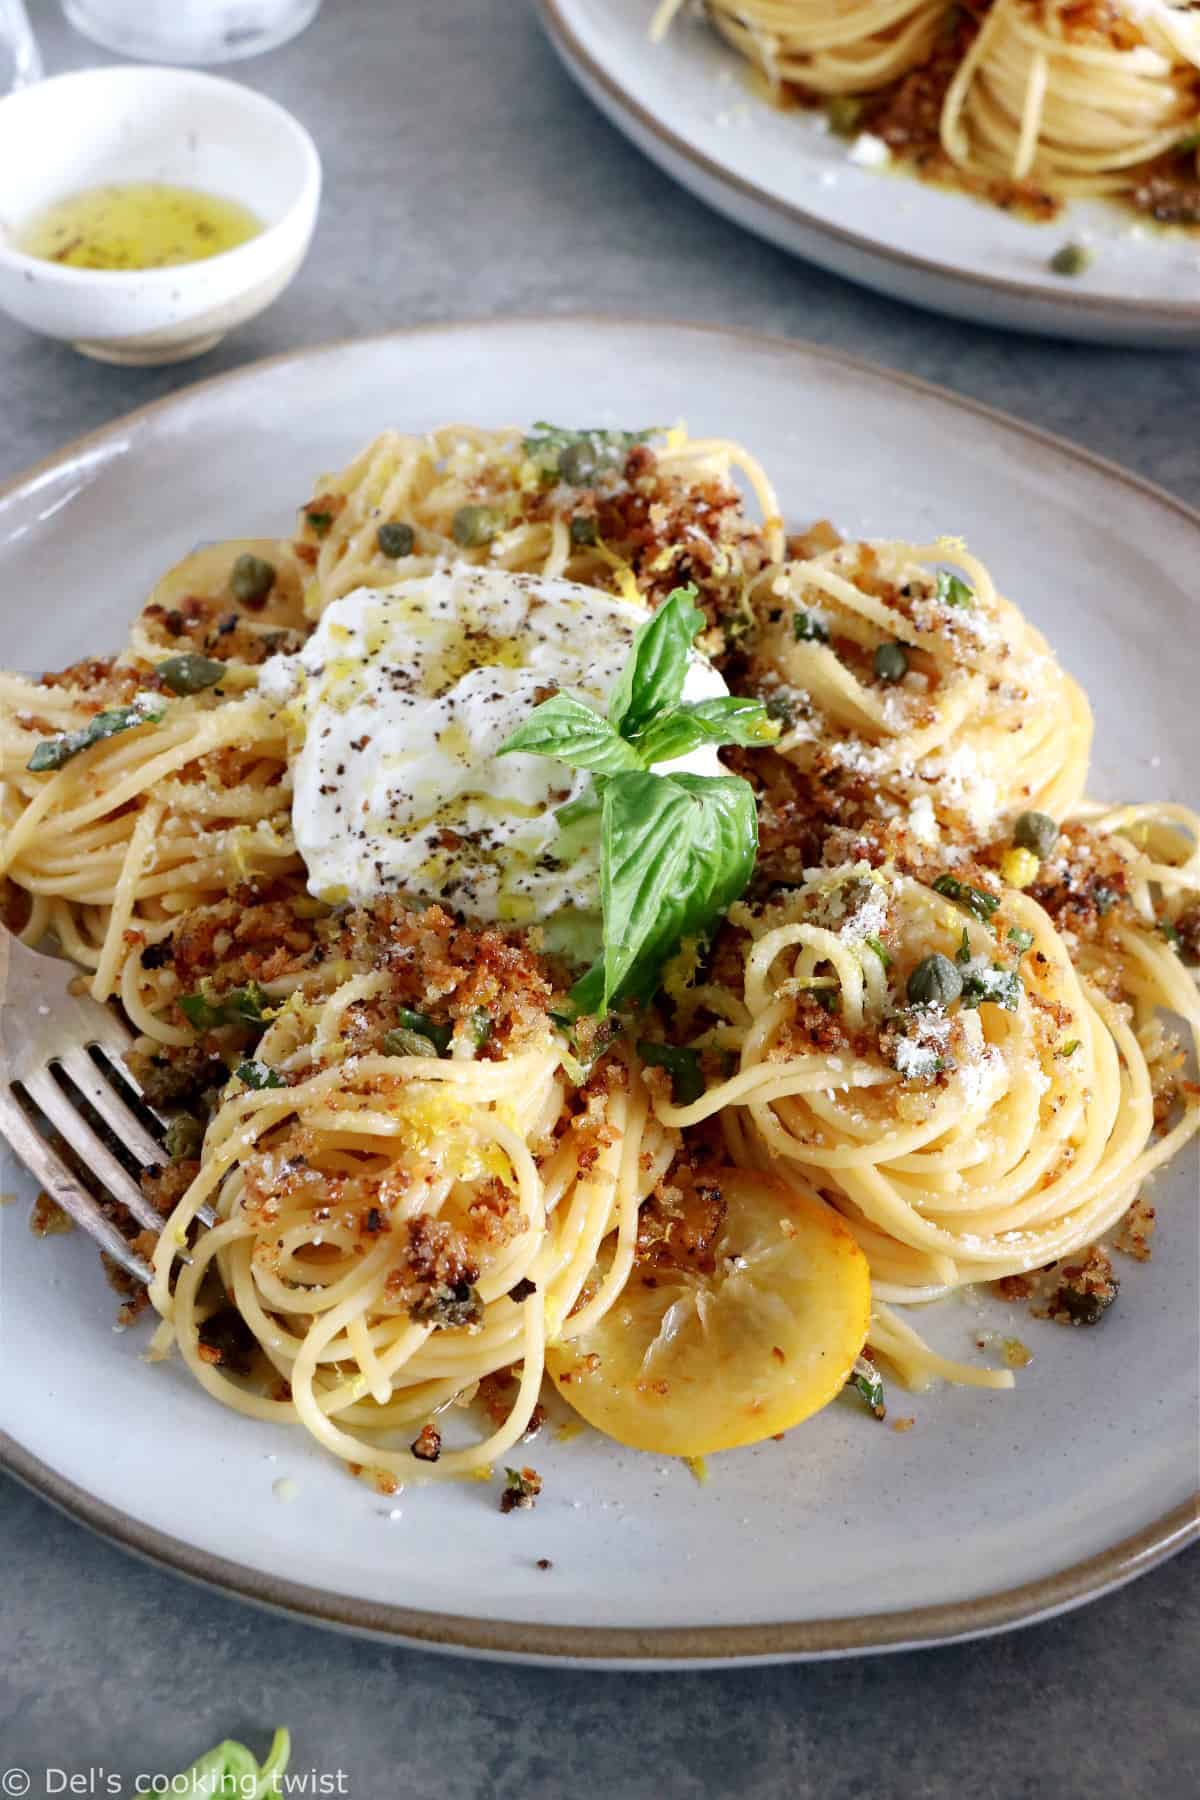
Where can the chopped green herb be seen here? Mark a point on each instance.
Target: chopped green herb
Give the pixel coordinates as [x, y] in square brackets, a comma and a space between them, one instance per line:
[807, 630]
[963, 953]
[54, 752]
[251, 579]
[977, 901]
[880, 949]
[1185, 145]
[951, 590]
[1002, 987]
[480, 1026]
[449, 1306]
[319, 521]
[257, 1075]
[1171, 933]
[1070, 1047]
[683, 1066]
[521, 1489]
[238, 1006]
[1020, 939]
[191, 673]
[866, 1381]
[584, 529]
[395, 539]
[416, 1035]
[829, 999]
[1106, 898]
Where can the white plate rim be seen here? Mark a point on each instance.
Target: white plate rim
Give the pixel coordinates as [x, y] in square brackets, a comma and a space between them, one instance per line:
[663, 1647]
[578, 58]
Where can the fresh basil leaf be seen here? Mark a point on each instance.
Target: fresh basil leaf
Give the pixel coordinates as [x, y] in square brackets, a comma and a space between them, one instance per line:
[807, 630]
[676, 851]
[681, 1064]
[653, 676]
[724, 720]
[53, 752]
[257, 1075]
[572, 732]
[952, 590]
[191, 673]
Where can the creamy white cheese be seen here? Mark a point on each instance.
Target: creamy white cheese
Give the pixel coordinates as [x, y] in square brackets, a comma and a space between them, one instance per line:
[404, 695]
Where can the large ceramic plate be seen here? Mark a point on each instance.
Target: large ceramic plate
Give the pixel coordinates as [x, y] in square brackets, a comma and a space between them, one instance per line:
[690, 104]
[994, 1508]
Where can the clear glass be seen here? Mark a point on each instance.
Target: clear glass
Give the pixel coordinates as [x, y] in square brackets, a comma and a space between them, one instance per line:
[19, 60]
[190, 31]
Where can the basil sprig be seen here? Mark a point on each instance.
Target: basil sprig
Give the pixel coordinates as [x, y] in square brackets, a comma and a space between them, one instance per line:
[676, 849]
[54, 751]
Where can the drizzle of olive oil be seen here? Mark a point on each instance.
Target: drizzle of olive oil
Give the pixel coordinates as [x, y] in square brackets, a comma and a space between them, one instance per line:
[137, 225]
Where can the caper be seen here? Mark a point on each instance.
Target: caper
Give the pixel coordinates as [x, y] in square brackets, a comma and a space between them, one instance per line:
[934, 982]
[474, 526]
[844, 113]
[191, 673]
[395, 539]
[1035, 831]
[891, 662]
[184, 1136]
[251, 579]
[1071, 259]
[583, 529]
[578, 463]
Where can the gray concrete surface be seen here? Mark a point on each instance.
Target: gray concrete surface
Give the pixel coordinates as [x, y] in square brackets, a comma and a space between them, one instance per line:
[466, 177]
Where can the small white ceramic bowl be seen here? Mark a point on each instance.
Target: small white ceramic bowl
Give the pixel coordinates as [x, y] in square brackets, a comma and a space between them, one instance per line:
[153, 124]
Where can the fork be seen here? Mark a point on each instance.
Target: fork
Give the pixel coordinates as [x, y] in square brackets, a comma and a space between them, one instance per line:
[58, 1049]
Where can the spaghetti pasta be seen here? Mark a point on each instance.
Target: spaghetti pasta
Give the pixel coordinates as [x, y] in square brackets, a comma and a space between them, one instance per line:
[927, 1048]
[1033, 101]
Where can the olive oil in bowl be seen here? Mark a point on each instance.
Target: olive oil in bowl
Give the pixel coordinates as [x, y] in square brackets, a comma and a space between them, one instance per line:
[136, 225]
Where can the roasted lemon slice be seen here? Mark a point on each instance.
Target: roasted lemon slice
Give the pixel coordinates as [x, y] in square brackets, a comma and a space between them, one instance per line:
[688, 1362]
